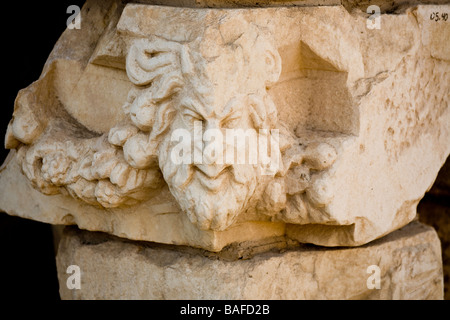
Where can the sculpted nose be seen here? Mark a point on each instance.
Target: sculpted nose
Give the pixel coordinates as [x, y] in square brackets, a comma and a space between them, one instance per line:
[212, 146]
[212, 171]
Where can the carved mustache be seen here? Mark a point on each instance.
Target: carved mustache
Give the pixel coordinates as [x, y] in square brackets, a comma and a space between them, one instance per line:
[181, 175]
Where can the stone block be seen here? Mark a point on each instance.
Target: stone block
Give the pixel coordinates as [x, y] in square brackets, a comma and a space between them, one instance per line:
[124, 132]
[408, 260]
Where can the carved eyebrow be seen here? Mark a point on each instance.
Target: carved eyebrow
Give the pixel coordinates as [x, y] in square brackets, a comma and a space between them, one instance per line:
[233, 114]
[230, 110]
[192, 113]
[193, 106]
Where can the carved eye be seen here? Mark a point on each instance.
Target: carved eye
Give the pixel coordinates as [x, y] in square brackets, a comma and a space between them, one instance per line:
[190, 116]
[232, 120]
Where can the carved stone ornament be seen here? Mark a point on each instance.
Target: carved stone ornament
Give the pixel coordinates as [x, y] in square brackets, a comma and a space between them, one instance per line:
[205, 127]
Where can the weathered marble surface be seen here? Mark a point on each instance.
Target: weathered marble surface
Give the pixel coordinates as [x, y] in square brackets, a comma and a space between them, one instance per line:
[362, 116]
[111, 268]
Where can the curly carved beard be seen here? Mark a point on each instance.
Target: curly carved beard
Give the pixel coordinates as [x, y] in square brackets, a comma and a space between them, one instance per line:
[209, 203]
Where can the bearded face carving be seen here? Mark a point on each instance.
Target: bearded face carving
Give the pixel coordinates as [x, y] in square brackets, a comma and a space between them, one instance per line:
[201, 90]
[208, 126]
[206, 101]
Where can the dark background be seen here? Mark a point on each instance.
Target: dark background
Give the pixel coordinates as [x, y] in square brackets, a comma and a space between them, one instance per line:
[29, 31]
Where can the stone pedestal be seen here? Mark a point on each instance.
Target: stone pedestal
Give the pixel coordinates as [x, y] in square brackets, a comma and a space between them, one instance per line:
[409, 263]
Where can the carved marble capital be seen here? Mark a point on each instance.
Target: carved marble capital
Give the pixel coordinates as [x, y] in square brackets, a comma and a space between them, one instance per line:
[211, 126]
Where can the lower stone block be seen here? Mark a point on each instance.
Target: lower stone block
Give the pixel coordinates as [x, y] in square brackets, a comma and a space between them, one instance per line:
[406, 264]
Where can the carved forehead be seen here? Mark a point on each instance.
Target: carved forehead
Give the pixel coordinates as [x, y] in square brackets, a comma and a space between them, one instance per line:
[227, 64]
[221, 79]
[219, 65]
